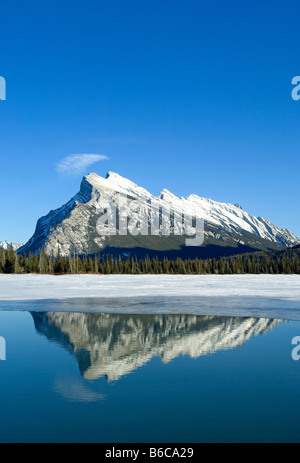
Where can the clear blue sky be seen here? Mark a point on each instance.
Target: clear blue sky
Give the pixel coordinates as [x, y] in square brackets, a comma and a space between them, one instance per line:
[189, 95]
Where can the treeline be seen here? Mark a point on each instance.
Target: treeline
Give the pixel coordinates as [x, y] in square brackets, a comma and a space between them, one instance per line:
[285, 262]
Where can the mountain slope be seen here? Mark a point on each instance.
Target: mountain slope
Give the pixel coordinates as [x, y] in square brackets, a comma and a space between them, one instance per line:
[228, 229]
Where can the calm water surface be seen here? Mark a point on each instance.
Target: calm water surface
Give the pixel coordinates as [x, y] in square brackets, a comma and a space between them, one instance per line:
[90, 377]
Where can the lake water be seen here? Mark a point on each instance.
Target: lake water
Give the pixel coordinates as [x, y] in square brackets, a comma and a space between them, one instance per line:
[92, 377]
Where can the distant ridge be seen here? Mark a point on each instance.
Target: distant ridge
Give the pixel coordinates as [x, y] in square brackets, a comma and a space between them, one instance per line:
[7, 245]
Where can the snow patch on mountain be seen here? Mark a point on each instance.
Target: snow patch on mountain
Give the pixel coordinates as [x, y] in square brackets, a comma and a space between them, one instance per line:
[224, 215]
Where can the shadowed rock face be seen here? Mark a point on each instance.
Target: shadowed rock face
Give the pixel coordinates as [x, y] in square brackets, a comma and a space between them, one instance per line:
[228, 228]
[113, 345]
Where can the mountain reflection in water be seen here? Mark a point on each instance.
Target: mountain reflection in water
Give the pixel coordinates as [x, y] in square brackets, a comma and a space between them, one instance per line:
[113, 345]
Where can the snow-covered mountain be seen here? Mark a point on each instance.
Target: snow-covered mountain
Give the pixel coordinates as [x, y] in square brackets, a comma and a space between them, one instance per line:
[114, 345]
[228, 228]
[6, 245]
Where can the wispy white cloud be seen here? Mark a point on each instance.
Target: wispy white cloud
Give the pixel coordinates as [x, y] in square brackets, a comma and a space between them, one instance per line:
[76, 164]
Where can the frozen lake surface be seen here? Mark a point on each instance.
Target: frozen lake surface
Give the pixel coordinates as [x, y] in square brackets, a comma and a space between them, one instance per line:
[129, 358]
[275, 296]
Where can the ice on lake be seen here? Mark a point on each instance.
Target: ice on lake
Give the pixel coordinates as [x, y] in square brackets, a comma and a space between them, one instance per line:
[270, 296]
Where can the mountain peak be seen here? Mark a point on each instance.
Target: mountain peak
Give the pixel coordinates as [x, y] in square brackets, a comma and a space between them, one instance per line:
[115, 175]
[228, 228]
[111, 177]
[112, 181]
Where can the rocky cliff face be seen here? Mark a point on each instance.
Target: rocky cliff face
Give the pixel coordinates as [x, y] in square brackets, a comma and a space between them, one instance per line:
[228, 228]
[113, 345]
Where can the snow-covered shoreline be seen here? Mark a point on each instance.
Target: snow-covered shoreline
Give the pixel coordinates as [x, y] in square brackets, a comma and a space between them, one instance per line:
[47, 287]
